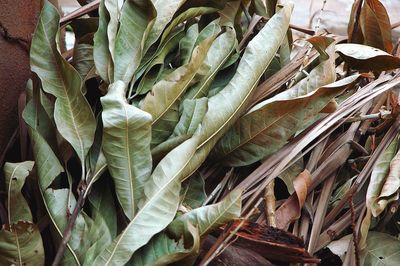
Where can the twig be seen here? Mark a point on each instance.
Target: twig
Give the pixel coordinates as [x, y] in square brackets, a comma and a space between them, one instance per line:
[270, 203]
[353, 228]
[79, 12]
[71, 222]
[380, 115]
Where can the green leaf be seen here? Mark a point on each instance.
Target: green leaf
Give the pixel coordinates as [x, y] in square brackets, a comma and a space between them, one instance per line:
[194, 191]
[72, 114]
[165, 11]
[137, 18]
[164, 250]
[114, 8]
[165, 147]
[382, 249]
[83, 61]
[217, 55]
[192, 115]
[21, 244]
[186, 15]
[193, 38]
[61, 203]
[385, 179]
[229, 13]
[362, 57]
[212, 216]
[15, 175]
[268, 125]
[156, 65]
[126, 146]
[101, 53]
[166, 94]
[157, 210]
[225, 107]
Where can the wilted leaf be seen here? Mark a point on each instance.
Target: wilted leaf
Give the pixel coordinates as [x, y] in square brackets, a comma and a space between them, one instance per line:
[268, 125]
[101, 53]
[137, 19]
[165, 11]
[21, 244]
[83, 60]
[157, 210]
[166, 94]
[228, 14]
[290, 210]
[385, 179]
[362, 57]
[222, 113]
[339, 247]
[15, 175]
[126, 146]
[194, 192]
[217, 55]
[320, 43]
[375, 25]
[164, 250]
[210, 217]
[72, 114]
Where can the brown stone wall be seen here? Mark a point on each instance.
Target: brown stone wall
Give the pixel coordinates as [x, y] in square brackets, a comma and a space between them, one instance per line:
[19, 18]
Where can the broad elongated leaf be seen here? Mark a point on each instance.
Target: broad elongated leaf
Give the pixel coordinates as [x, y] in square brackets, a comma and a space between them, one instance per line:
[222, 113]
[83, 60]
[362, 57]
[167, 92]
[101, 53]
[156, 66]
[385, 179]
[375, 25]
[126, 146]
[268, 125]
[382, 249]
[21, 244]
[209, 217]
[193, 38]
[137, 18]
[114, 8]
[157, 210]
[15, 175]
[165, 11]
[164, 250]
[72, 114]
[229, 13]
[218, 54]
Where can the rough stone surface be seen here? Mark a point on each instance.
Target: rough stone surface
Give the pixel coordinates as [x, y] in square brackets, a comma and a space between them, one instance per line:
[19, 18]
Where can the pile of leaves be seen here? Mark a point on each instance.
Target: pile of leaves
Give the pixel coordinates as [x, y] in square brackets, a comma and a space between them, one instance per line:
[198, 132]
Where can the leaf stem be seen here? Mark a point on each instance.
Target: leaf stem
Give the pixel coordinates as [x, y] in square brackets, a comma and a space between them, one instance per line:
[71, 222]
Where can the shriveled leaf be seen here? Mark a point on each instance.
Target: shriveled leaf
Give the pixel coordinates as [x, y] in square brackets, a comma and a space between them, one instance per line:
[339, 247]
[222, 113]
[228, 14]
[137, 18]
[289, 175]
[385, 179]
[21, 244]
[126, 146]
[217, 55]
[375, 25]
[210, 217]
[194, 191]
[290, 210]
[382, 249]
[157, 210]
[73, 116]
[164, 250]
[320, 43]
[362, 57]
[167, 92]
[15, 175]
